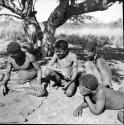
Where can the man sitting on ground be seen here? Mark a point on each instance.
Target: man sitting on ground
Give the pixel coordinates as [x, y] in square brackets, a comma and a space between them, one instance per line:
[26, 70]
[96, 65]
[63, 68]
[98, 97]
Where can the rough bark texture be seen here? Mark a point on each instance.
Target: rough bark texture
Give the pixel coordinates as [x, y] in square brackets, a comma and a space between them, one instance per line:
[65, 10]
[69, 8]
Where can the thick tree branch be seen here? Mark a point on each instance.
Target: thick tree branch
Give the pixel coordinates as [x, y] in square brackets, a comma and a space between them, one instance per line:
[26, 7]
[65, 10]
[58, 13]
[10, 15]
[90, 6]
[12, 8]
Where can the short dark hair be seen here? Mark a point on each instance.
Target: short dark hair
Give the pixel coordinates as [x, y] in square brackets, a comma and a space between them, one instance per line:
[90, 46]
[61, 44]
[13, 47]
[89, 81]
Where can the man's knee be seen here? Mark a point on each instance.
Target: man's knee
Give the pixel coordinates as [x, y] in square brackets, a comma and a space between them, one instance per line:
[69, 93]
[47, 72]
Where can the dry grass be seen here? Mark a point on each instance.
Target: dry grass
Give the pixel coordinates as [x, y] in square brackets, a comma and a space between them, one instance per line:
[10, 30]
[75, 34]
[102, 33]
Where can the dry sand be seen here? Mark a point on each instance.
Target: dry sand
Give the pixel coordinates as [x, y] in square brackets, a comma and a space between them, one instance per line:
[58, 109]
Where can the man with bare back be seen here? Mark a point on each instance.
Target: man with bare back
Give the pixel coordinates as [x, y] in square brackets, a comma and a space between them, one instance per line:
[97, 66]
[98, 97]
[26, 70]
[63, 68]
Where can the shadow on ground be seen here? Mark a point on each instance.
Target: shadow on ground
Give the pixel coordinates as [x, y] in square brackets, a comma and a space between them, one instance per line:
[112, 55]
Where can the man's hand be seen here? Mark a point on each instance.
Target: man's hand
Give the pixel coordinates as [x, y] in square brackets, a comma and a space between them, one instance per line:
[65, 85]
[78, 111]
[86, 92]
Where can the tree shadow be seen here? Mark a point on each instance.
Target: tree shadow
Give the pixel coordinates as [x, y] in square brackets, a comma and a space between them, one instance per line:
[112, 55]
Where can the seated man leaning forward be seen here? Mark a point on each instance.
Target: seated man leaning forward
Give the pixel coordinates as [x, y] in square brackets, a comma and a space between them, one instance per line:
[63, 68]
[98, 97]
[97, 66]
[26, 70]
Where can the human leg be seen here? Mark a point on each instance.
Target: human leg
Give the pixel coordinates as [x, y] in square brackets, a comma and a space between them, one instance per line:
[52, 75]
[71, 90]
[105, 72]
[27, 74]
[91, 68]
[15, 82]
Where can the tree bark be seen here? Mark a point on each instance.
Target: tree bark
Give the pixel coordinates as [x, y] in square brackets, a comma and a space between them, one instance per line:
[65, 10]
[25, 12]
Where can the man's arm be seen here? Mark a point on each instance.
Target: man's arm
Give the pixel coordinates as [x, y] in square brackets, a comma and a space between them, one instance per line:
[100, 103]
[7, 74]
[91, 68]
[78, 111]
[52, 61]
[6, 78]
[37, 68]
[75, 69]
[105, 71]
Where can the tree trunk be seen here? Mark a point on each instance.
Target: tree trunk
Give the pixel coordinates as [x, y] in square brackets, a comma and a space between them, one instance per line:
[65, 10]
[56, 19]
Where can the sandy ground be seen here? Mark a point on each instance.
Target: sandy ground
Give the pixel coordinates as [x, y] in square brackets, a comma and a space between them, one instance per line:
[58, 109]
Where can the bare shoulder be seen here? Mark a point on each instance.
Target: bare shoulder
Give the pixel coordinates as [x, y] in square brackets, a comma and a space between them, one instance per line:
[30, 56]
[72, 55]
[101, 60]
[9, 60]
[101, 90]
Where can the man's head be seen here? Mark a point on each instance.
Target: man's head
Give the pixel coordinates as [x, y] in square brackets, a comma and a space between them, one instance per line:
[14, 49]
[61, 48]
[87, 84]
[90, 50]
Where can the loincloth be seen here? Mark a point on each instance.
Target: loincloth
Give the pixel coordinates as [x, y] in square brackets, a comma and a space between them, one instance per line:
[15, 76]
[63, 74]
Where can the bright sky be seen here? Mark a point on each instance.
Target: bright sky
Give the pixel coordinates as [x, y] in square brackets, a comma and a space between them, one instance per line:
[45, 7]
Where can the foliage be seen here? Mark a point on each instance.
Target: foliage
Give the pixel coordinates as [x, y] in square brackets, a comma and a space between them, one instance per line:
[78, 19]
[99, 33]
[76, 40]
